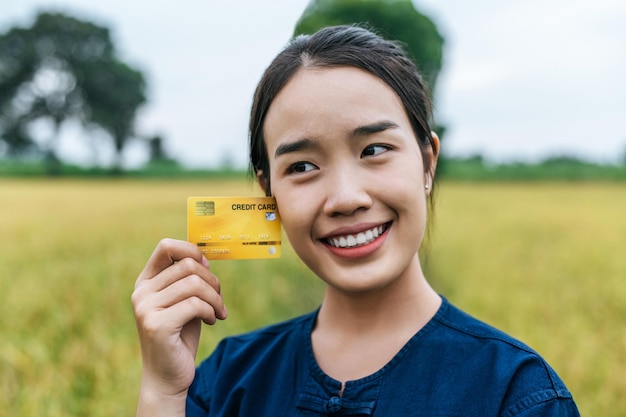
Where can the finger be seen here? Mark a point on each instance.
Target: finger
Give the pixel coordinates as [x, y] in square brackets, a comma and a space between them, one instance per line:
[187, 310]
[189, 287]
[175, 284]
[180, 270]
[158, 322]
[168, 252]
[157, 328]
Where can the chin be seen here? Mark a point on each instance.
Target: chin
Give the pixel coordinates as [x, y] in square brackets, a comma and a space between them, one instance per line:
[360, 280]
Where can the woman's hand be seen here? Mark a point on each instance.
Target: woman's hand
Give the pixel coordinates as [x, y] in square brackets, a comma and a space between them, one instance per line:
[173, 294]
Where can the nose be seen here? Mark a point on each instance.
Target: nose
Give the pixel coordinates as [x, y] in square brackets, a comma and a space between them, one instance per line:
[346, 192]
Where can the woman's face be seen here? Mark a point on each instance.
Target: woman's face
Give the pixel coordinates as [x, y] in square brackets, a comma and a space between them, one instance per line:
[348, 177]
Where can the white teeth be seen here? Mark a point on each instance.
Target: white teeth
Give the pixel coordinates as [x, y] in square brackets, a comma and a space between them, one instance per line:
[361, 238]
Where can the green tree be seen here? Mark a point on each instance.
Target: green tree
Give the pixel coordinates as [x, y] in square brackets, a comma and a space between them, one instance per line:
[60, 69]
[393, 19]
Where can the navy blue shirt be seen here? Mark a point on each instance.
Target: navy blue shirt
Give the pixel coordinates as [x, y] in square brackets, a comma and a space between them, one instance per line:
[454, 366]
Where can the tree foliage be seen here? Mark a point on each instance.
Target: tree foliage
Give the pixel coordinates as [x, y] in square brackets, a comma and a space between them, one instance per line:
[60, 69]
[393, 19]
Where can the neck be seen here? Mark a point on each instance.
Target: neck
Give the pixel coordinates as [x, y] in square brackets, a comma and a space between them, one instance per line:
[356, 334]
[405, 305]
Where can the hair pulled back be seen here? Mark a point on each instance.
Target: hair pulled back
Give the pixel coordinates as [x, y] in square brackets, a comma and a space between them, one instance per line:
[335, 46]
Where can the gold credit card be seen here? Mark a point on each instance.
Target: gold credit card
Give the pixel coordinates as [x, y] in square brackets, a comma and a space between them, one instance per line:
[234, 227]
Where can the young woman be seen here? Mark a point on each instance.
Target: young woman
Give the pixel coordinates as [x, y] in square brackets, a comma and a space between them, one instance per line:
[340, 137]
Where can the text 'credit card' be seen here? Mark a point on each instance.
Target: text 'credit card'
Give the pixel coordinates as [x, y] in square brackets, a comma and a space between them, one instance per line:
[234, 227]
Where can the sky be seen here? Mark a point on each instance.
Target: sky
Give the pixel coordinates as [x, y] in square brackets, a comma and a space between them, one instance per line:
[521, 80]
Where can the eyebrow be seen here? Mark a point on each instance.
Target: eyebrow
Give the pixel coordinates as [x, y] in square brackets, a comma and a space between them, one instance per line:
[373, 128]
[299, 145]
[307, 144]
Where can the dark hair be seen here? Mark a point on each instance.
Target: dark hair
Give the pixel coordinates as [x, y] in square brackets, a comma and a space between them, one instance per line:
[335, 46]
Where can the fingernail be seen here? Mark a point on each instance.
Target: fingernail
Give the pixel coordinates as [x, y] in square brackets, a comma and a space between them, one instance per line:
[205, 262]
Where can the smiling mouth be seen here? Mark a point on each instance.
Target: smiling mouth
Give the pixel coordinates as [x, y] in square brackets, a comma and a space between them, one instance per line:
[356, 240]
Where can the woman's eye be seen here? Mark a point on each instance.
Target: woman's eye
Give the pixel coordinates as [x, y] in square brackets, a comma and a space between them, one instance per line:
[299, 167]
[373, 150]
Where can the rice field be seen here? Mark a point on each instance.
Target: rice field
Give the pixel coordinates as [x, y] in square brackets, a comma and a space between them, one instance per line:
[542, 261]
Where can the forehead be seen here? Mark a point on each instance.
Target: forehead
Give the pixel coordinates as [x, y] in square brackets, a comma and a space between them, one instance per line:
[332, 83]
[321, 100]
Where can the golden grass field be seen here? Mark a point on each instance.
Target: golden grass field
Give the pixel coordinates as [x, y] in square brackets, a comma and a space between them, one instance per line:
[544, 262]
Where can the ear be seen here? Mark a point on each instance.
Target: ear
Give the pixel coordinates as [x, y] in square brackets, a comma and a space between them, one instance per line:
[435, 143]
[433, 154]
[262, 180]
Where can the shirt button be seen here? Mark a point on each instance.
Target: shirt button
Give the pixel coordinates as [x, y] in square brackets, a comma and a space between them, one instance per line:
[333, 405]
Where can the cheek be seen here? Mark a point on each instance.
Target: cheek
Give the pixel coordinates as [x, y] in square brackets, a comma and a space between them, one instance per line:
[294, 214]
[410, 198]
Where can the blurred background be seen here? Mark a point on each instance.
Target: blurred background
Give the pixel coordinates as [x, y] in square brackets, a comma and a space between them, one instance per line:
[515, 82]
[113, 113]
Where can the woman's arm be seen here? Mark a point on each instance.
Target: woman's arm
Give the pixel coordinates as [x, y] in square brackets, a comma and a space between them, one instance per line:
[175, 292]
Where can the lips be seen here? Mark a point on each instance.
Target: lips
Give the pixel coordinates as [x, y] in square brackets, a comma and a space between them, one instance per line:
[359, 239]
